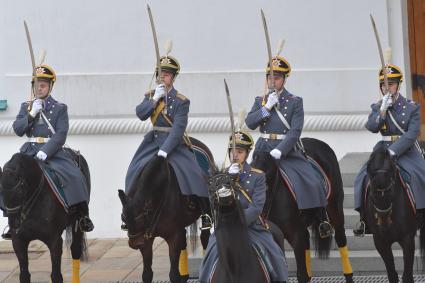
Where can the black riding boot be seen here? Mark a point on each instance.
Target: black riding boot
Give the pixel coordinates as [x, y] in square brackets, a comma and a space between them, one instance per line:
[361, 228]
[81, 210]
[204, 205]
[325, 227]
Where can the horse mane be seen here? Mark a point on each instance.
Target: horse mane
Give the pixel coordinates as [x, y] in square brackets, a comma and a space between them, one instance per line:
[26, 166]
[378, 159]
[151, 181]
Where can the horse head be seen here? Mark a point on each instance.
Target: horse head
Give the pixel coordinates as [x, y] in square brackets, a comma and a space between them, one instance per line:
[20, 178]
[382, 172]
[141, 208]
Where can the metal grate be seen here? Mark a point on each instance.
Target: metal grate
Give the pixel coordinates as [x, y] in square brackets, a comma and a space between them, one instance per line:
[330, 279]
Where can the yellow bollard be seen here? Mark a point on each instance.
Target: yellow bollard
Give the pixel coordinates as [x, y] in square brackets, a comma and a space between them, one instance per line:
[75, 271]
[346, 265]
[183, 263]
[308, 262]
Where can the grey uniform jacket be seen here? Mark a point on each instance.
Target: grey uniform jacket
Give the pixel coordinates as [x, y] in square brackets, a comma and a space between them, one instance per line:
[254, 183]
[73, 181]
[406, 113]
[306, 182]
[190, 176]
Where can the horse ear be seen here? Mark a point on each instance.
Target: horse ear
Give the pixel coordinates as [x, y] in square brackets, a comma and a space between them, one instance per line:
[122, 197]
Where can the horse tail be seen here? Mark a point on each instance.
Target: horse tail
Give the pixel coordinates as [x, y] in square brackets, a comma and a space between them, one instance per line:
[76, 242]
[322, 246]
[422, 245]
[193, 234]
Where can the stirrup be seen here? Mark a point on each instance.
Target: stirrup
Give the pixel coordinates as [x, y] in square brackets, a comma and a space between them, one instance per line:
[206, 222]
[325, 229]
[6, 235]
[124, 226]
[360, 229]
[85, 224]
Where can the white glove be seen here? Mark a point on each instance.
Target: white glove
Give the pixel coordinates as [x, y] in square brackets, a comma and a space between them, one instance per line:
[37, 106]
[162, 153]
[234, 169]
[41, 155]
[275, 153]
[272, 100]
[387, 101]
[159, 92]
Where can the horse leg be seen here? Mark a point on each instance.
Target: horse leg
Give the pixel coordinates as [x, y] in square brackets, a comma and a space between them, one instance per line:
[147, 254]
[21, 250]
[76, 251]
[408, 246]
[183, 260]
[297, 241]
[55, 248]
[175, 244]
[384, 249]
[336, 214]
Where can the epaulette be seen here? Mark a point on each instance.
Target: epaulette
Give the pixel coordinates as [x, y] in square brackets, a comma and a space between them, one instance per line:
[181, 96]
[149, 93]
[256, 170]
[412, 102]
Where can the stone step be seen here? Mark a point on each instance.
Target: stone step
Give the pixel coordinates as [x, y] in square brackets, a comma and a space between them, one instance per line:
[348, 197]
[350, 165]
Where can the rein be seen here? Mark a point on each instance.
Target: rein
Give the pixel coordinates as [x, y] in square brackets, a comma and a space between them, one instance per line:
[26, 206]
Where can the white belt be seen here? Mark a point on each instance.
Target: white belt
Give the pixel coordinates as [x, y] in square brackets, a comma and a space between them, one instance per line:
[390, 138]
[272, 136]
[38, 139]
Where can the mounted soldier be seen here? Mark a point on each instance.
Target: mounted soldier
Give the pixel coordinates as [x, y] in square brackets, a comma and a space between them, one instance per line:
[397, 119]
[252, 196]
[280, 117]
[45, 122]
[168, 111]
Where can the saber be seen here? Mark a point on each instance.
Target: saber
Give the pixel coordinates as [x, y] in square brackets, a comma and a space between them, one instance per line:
[381, 54]
[155, 40]
[33, 64]
[269, 48]
[232, 121]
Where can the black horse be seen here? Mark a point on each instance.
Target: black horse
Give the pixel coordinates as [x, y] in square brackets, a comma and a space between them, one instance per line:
[389, 215]
[281, 208]
[238, 261]
[159, 209]
[36, 214]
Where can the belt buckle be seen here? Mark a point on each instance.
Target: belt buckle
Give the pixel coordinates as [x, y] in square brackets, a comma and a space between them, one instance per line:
[39, 139]
[394, 138]
[273, 136]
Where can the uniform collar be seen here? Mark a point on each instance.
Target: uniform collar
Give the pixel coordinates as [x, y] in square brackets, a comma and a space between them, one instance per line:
[49, 102]
[246, 169]
[172, 93]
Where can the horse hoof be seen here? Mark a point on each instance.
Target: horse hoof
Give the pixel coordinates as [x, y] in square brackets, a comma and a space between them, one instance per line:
[349, 278]
[184, 278]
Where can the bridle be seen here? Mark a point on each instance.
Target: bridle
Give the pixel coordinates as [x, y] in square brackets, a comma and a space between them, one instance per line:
[26, 204]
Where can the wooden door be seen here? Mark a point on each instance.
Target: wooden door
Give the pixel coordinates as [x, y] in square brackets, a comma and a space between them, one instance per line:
[416, 26]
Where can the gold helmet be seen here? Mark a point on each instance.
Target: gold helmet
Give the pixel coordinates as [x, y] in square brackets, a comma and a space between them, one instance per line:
[280, 66]
[242, 139]
[394, 74]
[45, 72]
[169, 64]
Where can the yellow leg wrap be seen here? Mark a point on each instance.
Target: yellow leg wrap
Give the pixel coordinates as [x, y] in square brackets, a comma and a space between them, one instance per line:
[346, 265]
[308, 262]
[75, 271]
[183, 266]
